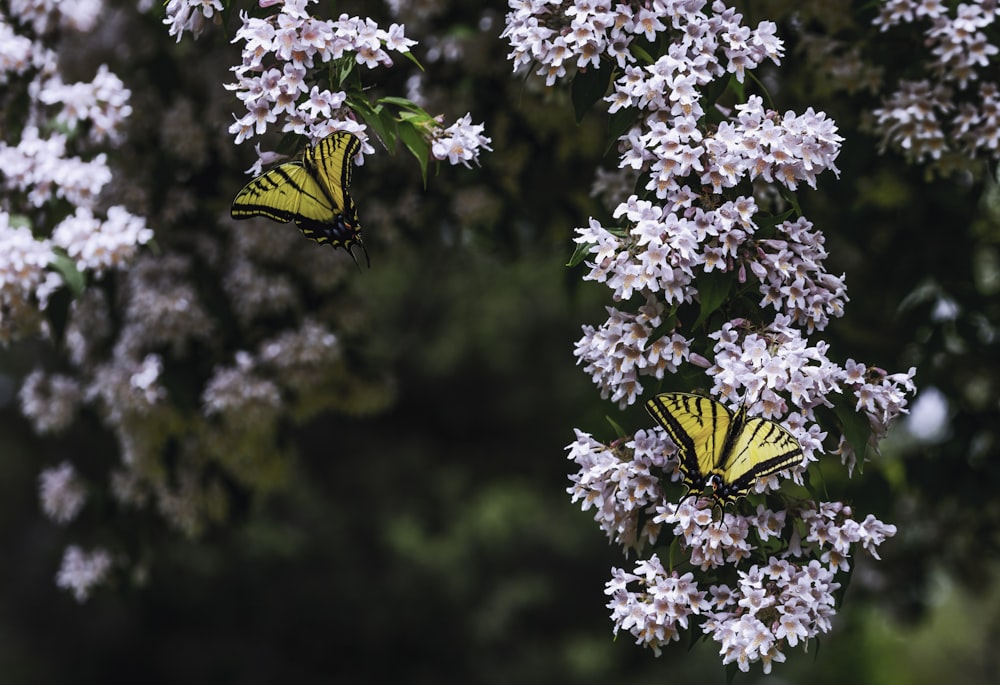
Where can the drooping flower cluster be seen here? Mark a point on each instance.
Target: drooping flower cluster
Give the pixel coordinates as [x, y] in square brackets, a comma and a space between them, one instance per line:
[24, 281]
[41, 165]
[618, 352]
[767, 607]
[679, 250]
[97, 245]
[954, 112]
[622, 482]
[50, 402]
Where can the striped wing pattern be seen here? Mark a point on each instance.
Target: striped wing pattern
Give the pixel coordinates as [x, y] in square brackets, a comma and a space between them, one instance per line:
[720, 449]
[312, 193]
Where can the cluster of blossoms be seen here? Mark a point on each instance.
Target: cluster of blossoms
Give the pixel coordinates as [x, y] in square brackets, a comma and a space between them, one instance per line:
[777, 362]
[942, 118]
[276, 78]
[44, 16]
[581, 34]
[103, 103]
[676, 244]
[97, 245]
[41, 166]
[82, 571]
[460, 142]
[764, 608]
[780, 601]
[278, 52]
[62, 493]
[25, 281]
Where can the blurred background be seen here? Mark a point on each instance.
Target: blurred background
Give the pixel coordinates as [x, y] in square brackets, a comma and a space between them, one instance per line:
[420, 530]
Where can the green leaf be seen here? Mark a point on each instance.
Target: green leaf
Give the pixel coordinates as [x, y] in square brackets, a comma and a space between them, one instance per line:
[383, 126]
[854, 426]
[343, 70]
[413, 58]
[71, 276]
[732, 669]
[579, 254]
[418, 146]
[640, 53]
[403, 103]
[588, 87]
[57, 311]
[618, 123]
[713, 289]
[619, 432]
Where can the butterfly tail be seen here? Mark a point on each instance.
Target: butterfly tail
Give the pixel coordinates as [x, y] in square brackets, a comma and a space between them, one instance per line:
[350, 250]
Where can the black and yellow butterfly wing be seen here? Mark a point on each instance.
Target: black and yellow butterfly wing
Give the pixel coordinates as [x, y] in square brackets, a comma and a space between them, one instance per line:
[721, 449]
[313, 193]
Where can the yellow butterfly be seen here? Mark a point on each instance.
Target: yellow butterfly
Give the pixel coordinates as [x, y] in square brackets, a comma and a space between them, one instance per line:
[722, 450]
[312, 193]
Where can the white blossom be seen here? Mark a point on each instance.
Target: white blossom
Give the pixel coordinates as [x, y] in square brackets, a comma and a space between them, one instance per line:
[82, 571]
[61, 492]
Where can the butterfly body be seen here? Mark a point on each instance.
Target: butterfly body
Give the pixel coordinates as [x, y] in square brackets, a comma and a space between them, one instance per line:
[720, 450]
[312, 193]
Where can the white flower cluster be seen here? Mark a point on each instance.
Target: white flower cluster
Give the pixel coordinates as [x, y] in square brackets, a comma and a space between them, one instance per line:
[274, 80]
[780, 603]
[45, 15]
[279, 51]
[555, 34]
[250, 392]
[688, 241]
[942, 115]
[82, 571]
[50, 401]
[23, 275]
[460, 142]
[620, 350]
[622, 481]
[655, 614]
[104, 103]
[16, 52]
[97, 245]
[190, 15]
[61, 492]
[40, 166]
[161, 309]
[240, 395]
[128, 389]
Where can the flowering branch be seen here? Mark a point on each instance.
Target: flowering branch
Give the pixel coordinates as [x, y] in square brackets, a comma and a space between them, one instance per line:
[52, 235]
[695, 267]
[289, 57]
